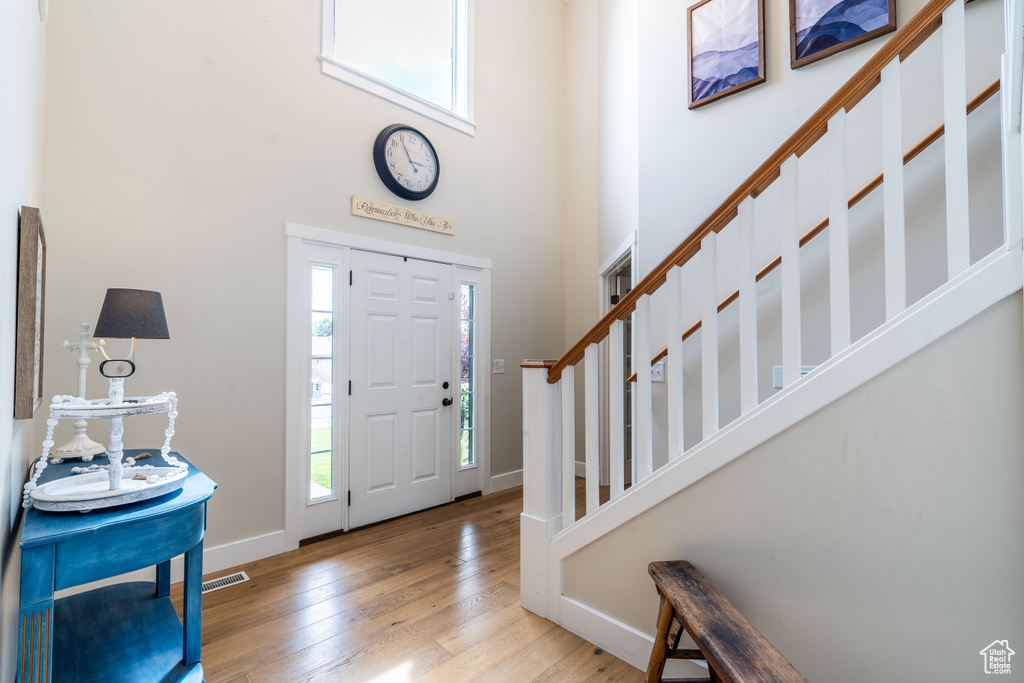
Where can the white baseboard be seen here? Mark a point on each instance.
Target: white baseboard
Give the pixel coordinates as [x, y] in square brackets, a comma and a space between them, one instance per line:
[500, 482]
[215, 559]
[623, 641]
[581, 469]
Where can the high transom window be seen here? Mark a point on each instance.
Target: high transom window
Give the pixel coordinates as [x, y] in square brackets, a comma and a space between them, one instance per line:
[412, 52]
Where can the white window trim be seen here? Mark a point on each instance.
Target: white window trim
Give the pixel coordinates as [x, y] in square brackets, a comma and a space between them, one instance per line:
[330, 66]
[465, 269]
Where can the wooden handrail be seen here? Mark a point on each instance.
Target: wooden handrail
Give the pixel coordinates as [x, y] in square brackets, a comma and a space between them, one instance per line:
[902, 45]
[984, 96]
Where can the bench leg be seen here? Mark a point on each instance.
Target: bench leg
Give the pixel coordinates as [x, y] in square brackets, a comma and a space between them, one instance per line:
[657, 664]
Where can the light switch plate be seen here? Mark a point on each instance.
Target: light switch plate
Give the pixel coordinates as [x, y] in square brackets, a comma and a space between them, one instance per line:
[499, 366]
[658, 371]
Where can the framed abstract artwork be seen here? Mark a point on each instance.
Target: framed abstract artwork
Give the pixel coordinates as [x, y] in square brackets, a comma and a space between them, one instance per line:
[821, 28]
[28, 350]
[726, 48]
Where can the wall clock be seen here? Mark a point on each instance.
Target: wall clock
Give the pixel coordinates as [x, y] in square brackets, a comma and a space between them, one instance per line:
[406, 162]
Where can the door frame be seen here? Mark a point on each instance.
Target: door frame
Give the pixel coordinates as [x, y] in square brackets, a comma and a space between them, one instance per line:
[627, 252]
[469, 269]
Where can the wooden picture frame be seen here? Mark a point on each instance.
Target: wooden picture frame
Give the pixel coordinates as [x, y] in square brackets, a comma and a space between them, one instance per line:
[28, 350]
[821, 28]
[726, 48]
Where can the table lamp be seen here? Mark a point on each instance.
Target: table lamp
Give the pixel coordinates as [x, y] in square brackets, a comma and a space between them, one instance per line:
[126, 314]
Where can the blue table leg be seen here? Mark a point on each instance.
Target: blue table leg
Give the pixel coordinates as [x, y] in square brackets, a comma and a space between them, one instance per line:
[193, 602]
[163, 579]
[35, 617]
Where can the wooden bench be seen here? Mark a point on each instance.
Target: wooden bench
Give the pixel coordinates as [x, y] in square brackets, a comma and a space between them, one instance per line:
[735, 651]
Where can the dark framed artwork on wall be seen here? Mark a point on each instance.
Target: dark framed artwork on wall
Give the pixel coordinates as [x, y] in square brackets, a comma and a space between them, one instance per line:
[28, 350]
[821, 28]
[726, 39]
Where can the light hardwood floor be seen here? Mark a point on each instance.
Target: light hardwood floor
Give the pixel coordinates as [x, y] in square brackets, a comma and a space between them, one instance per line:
[429, 597]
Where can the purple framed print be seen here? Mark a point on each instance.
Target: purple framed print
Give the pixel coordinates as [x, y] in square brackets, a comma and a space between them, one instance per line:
[821, 28]
[726, 48]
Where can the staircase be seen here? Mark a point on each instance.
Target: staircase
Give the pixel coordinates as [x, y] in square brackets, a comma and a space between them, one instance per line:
[863, 297]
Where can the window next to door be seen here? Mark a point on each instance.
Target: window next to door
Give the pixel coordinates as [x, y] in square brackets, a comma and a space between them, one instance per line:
[321, 383]
[467, 443]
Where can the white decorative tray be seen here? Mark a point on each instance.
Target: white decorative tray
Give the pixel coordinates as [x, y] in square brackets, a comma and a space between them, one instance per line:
[84, 492]
[103, 408]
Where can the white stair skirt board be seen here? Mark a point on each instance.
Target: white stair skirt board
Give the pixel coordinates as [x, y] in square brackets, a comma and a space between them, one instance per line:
[628, 644]
[215, 559]
[983, 285]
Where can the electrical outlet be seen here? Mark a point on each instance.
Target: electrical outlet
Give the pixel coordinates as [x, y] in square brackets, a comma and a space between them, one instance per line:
[658, 371]
[499, 366]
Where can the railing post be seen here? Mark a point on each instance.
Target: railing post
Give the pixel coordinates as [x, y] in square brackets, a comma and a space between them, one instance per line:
[838, 233]
[674, 362]
[541, 477]
[1012, 87]
[567, 386]
[616, 409]
[788, 217]
[644, 457]
[591, 427]
[894, 204]
[954, 98]
[709, 331]
[748, 306]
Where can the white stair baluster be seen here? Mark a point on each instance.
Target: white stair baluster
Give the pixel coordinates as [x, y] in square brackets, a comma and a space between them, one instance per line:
[592, 466]
[790, 271]
[674, 362]
[568, 386]
[644, 457]
[838, 233]
[954, 97]
[748, 306]
[616, 409]
[709, 331]
[894, 204]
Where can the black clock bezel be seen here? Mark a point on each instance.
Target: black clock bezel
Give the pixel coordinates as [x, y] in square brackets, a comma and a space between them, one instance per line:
[384, 172]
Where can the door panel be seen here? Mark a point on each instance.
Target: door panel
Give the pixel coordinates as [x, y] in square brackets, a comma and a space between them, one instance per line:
[402, 335]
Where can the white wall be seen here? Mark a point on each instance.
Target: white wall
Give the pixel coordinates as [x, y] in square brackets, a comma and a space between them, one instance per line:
[22, 84]
[182, 137]
[879, 539]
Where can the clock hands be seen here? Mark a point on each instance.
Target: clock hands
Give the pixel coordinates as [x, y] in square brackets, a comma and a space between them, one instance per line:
[411, 160]
[409, 156]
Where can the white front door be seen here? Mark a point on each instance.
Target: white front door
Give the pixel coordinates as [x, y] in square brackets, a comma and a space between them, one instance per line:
[400, 448]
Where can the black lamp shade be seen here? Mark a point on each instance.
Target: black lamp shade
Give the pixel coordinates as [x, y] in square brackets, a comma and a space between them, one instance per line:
[132, 313]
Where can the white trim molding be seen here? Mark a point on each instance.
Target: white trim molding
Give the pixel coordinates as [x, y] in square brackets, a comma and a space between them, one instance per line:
[507, 480]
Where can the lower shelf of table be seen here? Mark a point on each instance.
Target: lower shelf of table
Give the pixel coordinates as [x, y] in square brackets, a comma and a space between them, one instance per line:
[119, 634]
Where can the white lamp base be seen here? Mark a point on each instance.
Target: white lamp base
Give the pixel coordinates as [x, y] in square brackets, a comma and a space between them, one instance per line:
[81, 446]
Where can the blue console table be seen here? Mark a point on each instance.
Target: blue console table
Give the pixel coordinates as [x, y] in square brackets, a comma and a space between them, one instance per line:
[127, 632]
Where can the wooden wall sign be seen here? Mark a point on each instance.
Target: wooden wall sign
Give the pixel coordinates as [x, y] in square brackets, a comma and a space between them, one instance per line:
[390, 213]
[28, 353]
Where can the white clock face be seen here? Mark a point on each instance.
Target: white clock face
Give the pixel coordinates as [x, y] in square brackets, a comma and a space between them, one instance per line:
[410, 160]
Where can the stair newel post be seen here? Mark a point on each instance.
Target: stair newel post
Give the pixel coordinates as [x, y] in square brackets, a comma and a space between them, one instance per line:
[748, 305]
[568, 455]
[954, 99]
[542, 449]
[790, 234]
[709, 331]
[616, 408]
[894, 204]
[591, 423]
[674, 361]
[838, 233]
[644, 457]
